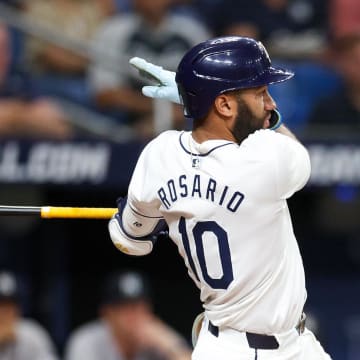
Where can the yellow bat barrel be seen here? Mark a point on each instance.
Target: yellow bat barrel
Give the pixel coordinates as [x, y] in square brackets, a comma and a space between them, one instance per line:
[57, 212]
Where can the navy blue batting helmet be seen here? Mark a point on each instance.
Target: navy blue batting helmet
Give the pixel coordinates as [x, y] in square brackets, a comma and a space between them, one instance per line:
[223, 64]
[125, 287]
[9, 287]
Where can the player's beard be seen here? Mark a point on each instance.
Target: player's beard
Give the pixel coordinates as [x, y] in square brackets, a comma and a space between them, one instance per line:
[246, 122]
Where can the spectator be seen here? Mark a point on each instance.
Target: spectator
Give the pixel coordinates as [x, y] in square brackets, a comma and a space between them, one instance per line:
[342, 109]
[20, 339]
[289, 29]
[75, 20]
[59, 58]
[21, 115]
[13, 3]
[152, 31]
[344, 17]
[294, 31]
[127, 328]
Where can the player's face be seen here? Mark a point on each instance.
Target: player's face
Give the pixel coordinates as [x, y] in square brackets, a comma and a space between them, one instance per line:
[149, 9]
[127, 318]
[4, 52]
[253, 112]
[9, 314]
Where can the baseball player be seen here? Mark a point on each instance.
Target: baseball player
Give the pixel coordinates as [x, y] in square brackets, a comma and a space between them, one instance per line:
[221, 191]
[20, 338]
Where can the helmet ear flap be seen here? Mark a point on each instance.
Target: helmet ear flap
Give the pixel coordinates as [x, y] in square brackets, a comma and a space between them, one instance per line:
[189, 100]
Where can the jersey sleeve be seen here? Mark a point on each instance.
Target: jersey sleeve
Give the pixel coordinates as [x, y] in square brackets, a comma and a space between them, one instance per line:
[286, 160]
[140, 192]
[141, 216]
[292, 166]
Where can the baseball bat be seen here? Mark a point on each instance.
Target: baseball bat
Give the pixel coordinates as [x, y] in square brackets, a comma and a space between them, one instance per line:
[58, 212]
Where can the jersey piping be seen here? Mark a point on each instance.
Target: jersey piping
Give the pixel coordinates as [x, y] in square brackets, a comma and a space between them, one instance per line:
[145, 216]
[197, 154]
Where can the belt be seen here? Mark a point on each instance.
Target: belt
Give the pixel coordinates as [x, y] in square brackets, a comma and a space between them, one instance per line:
[259, 341]
[255, 341]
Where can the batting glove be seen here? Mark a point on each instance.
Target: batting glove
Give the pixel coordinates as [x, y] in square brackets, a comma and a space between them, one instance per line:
[166, 88]
[127, 243]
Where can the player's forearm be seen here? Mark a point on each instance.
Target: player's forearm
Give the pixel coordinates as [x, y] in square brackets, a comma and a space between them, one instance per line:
[12, 116]
[180, 353]
[168, 342]
[125, 99]
[58, 59]
[7, 333]
[173, 348]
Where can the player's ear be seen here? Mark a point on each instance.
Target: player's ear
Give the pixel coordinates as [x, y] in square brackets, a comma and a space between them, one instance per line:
[225, 105]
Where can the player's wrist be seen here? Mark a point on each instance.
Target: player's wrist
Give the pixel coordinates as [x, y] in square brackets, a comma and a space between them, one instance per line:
[176, 350]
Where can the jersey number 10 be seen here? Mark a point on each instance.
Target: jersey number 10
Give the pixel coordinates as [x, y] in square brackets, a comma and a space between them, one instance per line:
[224, 251]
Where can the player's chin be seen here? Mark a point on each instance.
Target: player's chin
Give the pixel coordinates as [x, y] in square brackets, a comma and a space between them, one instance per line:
[266, 124]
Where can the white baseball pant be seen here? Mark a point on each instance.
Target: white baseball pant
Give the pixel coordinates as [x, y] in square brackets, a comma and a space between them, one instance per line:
[233, 345]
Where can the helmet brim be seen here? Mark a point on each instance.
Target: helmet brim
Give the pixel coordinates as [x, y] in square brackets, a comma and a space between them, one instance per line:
[270, 76]
[275, 75]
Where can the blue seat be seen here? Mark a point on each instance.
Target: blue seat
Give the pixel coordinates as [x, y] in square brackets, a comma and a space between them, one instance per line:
[75, 89]
[296, 98]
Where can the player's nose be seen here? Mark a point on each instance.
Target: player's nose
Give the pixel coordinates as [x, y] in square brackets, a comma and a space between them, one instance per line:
[270, 103]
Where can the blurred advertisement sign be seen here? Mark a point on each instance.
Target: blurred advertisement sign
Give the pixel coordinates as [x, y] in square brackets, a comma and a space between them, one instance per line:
[56, 163]
[111, 164]
[334, 164]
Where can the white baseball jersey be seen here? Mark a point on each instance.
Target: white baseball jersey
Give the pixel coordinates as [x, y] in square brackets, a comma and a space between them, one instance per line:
[32, 342]
[225, 205]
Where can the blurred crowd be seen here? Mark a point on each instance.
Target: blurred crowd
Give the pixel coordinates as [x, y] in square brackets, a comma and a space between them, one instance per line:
[125, 328]
[64, 68]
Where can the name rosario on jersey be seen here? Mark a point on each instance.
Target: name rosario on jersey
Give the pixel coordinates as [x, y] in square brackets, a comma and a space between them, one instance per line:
[202, 188]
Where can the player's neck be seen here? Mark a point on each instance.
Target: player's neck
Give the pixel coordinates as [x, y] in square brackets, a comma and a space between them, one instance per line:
[211, 131]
